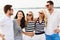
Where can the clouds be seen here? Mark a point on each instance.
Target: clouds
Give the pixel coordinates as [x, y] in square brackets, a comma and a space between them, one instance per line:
[26, 3]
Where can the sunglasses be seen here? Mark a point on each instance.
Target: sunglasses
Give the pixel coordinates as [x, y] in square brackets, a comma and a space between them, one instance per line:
[40, 13]
[29, 14]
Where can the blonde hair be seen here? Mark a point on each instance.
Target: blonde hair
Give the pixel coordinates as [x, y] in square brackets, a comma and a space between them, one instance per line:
[31, 14]
[45, 17]
[31, 18]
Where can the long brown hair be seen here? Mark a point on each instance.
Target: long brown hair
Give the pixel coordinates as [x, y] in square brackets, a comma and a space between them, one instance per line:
[22, 20]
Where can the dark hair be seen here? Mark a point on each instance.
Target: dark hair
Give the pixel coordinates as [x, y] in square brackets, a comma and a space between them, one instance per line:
[51, 2]
[7, 7]
[22, 20]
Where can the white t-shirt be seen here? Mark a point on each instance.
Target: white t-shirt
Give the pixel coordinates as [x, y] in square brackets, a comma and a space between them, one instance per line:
[52, 22]
[6, 28]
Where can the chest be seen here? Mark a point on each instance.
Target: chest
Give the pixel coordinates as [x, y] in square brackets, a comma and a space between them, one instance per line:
[38, 24]
[53, 17]
[7, 23]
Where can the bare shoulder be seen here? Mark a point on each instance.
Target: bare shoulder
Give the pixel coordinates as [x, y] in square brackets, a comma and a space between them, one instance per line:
[35, 19]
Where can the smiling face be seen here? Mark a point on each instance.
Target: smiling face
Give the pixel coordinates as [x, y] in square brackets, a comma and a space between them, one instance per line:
[29, 16]
[19, 15]
[49, 5]
[41, 13]
[10, 11]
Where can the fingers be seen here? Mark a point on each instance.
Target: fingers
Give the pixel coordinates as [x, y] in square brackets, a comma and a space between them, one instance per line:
[2, 36]
[57, 31]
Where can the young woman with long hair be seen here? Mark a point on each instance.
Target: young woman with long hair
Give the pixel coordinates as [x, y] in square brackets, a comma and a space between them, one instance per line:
[19, 24]
[30, 26]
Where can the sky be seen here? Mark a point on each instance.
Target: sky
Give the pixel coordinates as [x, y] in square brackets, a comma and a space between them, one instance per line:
[26, 4]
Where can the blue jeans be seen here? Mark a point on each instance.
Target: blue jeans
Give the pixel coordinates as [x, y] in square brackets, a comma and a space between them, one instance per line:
[52, 37]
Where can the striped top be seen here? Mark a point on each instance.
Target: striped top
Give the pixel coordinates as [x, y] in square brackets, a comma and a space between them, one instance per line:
[40, 26]
[30, 27]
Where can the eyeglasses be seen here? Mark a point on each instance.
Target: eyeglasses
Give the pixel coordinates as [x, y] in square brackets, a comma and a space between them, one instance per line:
[29, 14]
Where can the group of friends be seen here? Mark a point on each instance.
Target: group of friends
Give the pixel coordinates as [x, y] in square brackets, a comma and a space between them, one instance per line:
[45, 27]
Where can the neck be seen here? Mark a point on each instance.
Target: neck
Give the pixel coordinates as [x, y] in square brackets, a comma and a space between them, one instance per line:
[8, 15]
[19, 19]
[51, 10]
[19, 22]
[40, 18]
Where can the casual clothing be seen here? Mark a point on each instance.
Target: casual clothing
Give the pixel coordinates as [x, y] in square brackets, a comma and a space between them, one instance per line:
[30, 28]
[52, 24]
[39, 37]
[39, 27]
[6, 27]
[39, 30]
[53, 37]
[35, 37]
[25, 37]
[17, 31]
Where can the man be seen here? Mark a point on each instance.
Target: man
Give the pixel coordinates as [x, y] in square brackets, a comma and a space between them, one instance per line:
[53, 19]
[6, 23]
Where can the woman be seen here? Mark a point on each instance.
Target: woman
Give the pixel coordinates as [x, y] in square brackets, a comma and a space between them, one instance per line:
[30, 25]
[40, 24]
[19, 23]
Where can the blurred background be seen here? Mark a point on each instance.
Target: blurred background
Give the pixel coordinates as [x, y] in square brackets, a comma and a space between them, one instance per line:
[27, 5]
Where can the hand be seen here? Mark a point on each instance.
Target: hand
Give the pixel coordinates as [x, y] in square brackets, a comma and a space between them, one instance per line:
[2, 36]
[57, 30]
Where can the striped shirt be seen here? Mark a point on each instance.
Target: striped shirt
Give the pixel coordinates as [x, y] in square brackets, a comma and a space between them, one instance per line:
[40, 26]
[30, 27]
